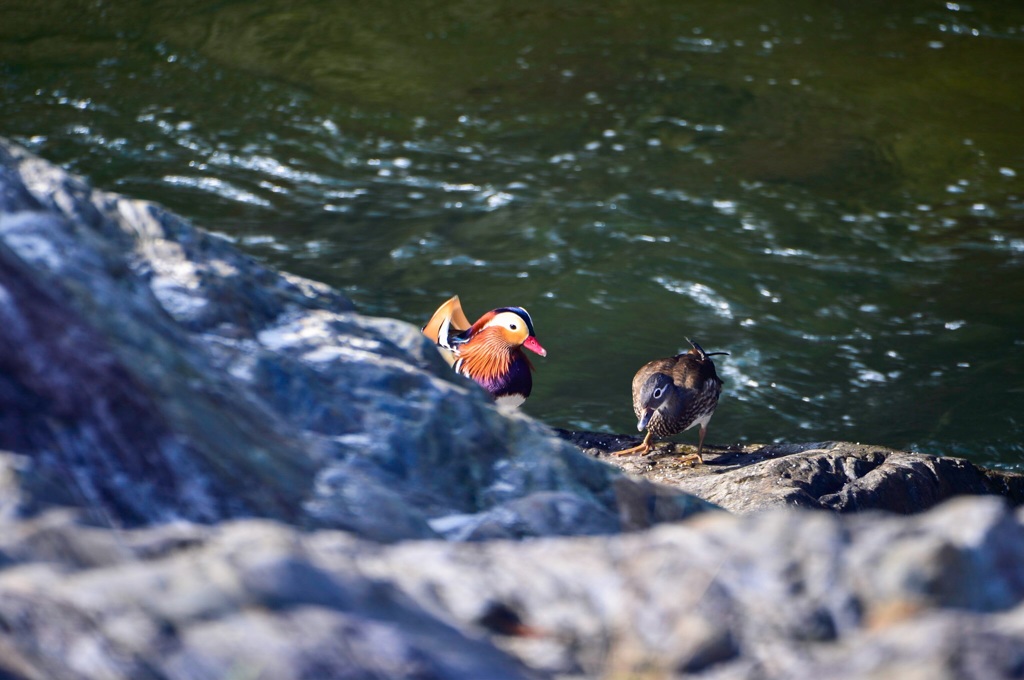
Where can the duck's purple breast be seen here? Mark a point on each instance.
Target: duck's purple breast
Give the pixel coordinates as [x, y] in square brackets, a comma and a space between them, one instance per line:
[517, 380]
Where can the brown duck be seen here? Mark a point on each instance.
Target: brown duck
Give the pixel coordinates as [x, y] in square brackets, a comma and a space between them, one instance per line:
[674, 394]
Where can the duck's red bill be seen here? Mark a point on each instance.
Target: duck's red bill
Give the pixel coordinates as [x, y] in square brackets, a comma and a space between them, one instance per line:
[534, 346]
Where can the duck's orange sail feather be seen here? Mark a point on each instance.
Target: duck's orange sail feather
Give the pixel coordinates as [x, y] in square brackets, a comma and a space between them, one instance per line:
[448, 316]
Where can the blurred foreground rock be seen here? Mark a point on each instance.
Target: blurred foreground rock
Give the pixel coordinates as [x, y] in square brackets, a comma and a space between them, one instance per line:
[212, 470]
[778, 594]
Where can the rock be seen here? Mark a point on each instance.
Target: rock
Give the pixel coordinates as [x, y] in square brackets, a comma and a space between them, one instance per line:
[783, 593]
[778, 594]
[838, 476]
[244, 599]
[150, 372]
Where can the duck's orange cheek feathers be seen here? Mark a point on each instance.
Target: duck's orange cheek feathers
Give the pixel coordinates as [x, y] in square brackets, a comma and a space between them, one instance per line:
[533, 345]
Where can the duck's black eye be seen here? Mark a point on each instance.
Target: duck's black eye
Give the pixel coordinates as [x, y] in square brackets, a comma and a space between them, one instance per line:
[658, 391]
[512, 326]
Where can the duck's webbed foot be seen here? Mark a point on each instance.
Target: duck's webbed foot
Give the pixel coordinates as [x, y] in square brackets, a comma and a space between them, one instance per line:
[641, 448]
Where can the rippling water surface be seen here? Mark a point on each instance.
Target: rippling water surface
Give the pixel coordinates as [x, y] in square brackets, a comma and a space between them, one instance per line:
[833, 194]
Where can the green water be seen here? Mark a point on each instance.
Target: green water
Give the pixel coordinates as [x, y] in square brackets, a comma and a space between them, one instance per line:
[833, 194]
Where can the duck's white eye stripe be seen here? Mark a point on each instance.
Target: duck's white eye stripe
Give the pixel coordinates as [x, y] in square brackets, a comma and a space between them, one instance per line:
[658, 391]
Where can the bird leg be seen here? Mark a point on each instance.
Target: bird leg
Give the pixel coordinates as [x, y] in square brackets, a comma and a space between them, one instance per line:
[700, 444]
[644, 447]
[700, 448]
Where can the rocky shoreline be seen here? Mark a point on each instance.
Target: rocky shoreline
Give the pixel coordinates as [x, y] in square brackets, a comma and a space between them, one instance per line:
[837, 476]
[209, 469]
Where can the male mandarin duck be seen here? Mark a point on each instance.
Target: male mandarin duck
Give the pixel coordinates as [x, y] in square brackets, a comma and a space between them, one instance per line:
[674, 394]
[489, 351]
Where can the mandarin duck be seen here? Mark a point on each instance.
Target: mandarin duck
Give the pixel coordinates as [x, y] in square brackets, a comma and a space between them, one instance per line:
[674, 394]
[489, 351]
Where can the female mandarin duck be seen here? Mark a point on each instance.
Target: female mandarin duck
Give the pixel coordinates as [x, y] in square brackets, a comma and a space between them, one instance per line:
[674, 394]
[488, 351]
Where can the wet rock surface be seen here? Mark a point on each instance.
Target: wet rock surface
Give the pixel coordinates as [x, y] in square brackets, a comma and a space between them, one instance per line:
[838, 476]
[209, 469]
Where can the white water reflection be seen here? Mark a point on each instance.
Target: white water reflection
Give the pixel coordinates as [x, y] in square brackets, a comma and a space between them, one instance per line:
[217, 186]
[698, 292]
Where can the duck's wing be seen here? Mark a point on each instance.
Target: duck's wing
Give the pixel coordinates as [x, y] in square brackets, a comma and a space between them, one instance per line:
[449, 320]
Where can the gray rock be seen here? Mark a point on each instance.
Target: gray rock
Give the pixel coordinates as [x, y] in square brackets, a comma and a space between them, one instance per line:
[838, 476]
[777, 594]
[247, 600]
[149, 371]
